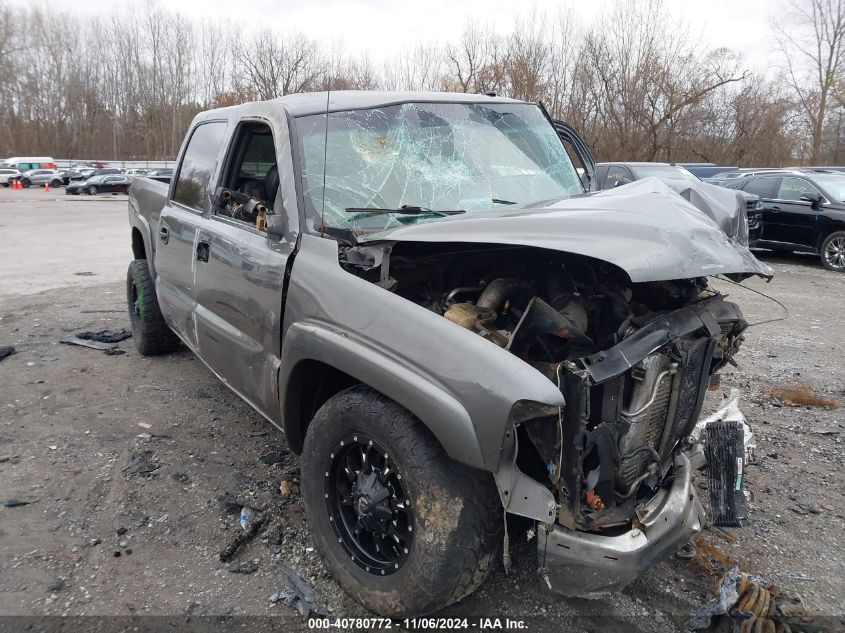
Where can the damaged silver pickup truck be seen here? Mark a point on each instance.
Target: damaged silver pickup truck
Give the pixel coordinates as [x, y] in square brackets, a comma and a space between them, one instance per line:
[420, 291]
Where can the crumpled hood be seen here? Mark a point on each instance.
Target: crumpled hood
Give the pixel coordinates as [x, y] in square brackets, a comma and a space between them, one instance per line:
[645, 228]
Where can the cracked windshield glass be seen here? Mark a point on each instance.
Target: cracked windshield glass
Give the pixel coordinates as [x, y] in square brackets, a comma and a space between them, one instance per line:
[417, 162]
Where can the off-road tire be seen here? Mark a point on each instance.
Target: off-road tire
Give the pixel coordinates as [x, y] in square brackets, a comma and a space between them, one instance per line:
[151, 334]
[837, 238]
[456, 511]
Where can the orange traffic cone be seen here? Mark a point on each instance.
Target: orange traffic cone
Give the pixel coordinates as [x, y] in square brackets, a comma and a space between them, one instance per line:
[16, 184]
[47, 187]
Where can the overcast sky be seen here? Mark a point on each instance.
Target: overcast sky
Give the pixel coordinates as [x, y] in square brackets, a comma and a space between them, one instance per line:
[383, 26]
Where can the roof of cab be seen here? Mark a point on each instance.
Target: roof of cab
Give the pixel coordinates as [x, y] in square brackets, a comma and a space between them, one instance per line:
[305, 103]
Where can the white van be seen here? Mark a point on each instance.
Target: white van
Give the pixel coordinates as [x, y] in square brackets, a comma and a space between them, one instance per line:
[25, 163]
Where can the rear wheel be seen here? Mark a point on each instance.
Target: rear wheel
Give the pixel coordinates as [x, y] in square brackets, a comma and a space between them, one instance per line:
[56, 183]
[403, 528]
[833, 252]
[151, 334]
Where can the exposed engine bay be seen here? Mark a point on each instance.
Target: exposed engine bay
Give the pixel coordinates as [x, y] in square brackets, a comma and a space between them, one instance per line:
[633, 360]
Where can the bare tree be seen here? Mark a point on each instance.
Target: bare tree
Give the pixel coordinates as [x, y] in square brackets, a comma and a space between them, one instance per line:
[811, 36]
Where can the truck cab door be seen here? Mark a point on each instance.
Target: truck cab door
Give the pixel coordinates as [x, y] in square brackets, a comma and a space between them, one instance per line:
[178, 231]
[580, 154]
[240, 278]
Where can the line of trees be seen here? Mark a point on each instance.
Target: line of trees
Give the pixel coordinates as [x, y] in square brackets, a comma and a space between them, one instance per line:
[638, 82]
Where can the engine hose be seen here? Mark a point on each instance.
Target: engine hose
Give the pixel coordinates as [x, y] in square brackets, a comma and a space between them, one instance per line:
[653, 397]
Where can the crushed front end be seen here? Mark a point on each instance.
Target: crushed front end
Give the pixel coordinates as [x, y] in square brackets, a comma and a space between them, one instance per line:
[625, 490]
[605, 476]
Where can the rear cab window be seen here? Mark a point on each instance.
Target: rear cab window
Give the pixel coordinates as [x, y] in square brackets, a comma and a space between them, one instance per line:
[197, 167]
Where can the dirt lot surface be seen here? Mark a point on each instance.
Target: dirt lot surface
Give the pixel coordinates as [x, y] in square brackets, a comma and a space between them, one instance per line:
[123, 458]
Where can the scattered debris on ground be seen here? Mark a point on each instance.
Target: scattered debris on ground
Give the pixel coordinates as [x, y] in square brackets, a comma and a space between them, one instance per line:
[244, 567]
[16, 503]
[141, 464]
[106, 336]
[754, 605]
[6, 350]
[247, 535]
[298, 594]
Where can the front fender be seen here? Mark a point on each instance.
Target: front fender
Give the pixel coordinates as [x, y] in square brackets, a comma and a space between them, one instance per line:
[458, 384]
[441, 413]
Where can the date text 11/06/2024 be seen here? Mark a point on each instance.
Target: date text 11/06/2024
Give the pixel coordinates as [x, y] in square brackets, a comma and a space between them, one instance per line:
[419, 624]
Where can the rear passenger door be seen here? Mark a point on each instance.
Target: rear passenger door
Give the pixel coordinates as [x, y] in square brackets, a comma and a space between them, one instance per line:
[793, 220]
[177, 233]
[241, 276]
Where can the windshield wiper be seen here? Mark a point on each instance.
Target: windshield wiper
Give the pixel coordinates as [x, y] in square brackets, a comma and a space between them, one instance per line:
[500, 201]
[405, 209]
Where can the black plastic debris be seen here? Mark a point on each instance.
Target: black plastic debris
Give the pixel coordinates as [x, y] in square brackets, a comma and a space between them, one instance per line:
[273, 457]
[247, 535]
[113, 352]
[141, 464]
[298, 594]
[16, 503]
[75, 340]
[244, 567]
[58, 584]
[6, 350]
[106, 336]
[724, 452]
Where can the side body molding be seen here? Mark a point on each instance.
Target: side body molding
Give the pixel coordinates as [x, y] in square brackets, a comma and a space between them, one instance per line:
[440, 412]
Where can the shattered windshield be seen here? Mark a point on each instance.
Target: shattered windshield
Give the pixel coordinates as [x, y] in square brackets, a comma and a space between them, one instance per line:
[432, 157]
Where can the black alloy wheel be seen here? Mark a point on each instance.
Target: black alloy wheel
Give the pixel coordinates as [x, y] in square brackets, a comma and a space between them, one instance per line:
[368, 507]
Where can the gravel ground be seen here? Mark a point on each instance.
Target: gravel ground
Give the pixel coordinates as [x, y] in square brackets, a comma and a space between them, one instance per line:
[123, 459]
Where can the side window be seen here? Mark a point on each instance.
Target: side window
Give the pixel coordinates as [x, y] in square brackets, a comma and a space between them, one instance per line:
[763, 187]
[793, 188]
[617, 173]
[198, 164]
[252, 173]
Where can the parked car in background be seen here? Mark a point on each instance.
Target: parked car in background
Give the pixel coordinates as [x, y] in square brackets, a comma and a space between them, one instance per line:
[137, 172]
[26, 163]
[103, 183]
[609, 175]
[727, 177]
[41, 177]
[802, 211]
[705, 170]
[7, 175]
[162, 175]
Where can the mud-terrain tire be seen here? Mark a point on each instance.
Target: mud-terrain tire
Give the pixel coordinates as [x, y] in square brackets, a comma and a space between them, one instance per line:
[453, 509]
[151, 334]
[833, 252]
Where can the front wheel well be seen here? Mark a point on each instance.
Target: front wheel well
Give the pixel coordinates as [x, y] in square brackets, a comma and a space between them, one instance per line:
[310, 385]
[139, 251]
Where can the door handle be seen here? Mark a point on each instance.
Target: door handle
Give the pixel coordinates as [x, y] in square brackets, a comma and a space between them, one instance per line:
[164, 233]
[775, 208]
[202, 251]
